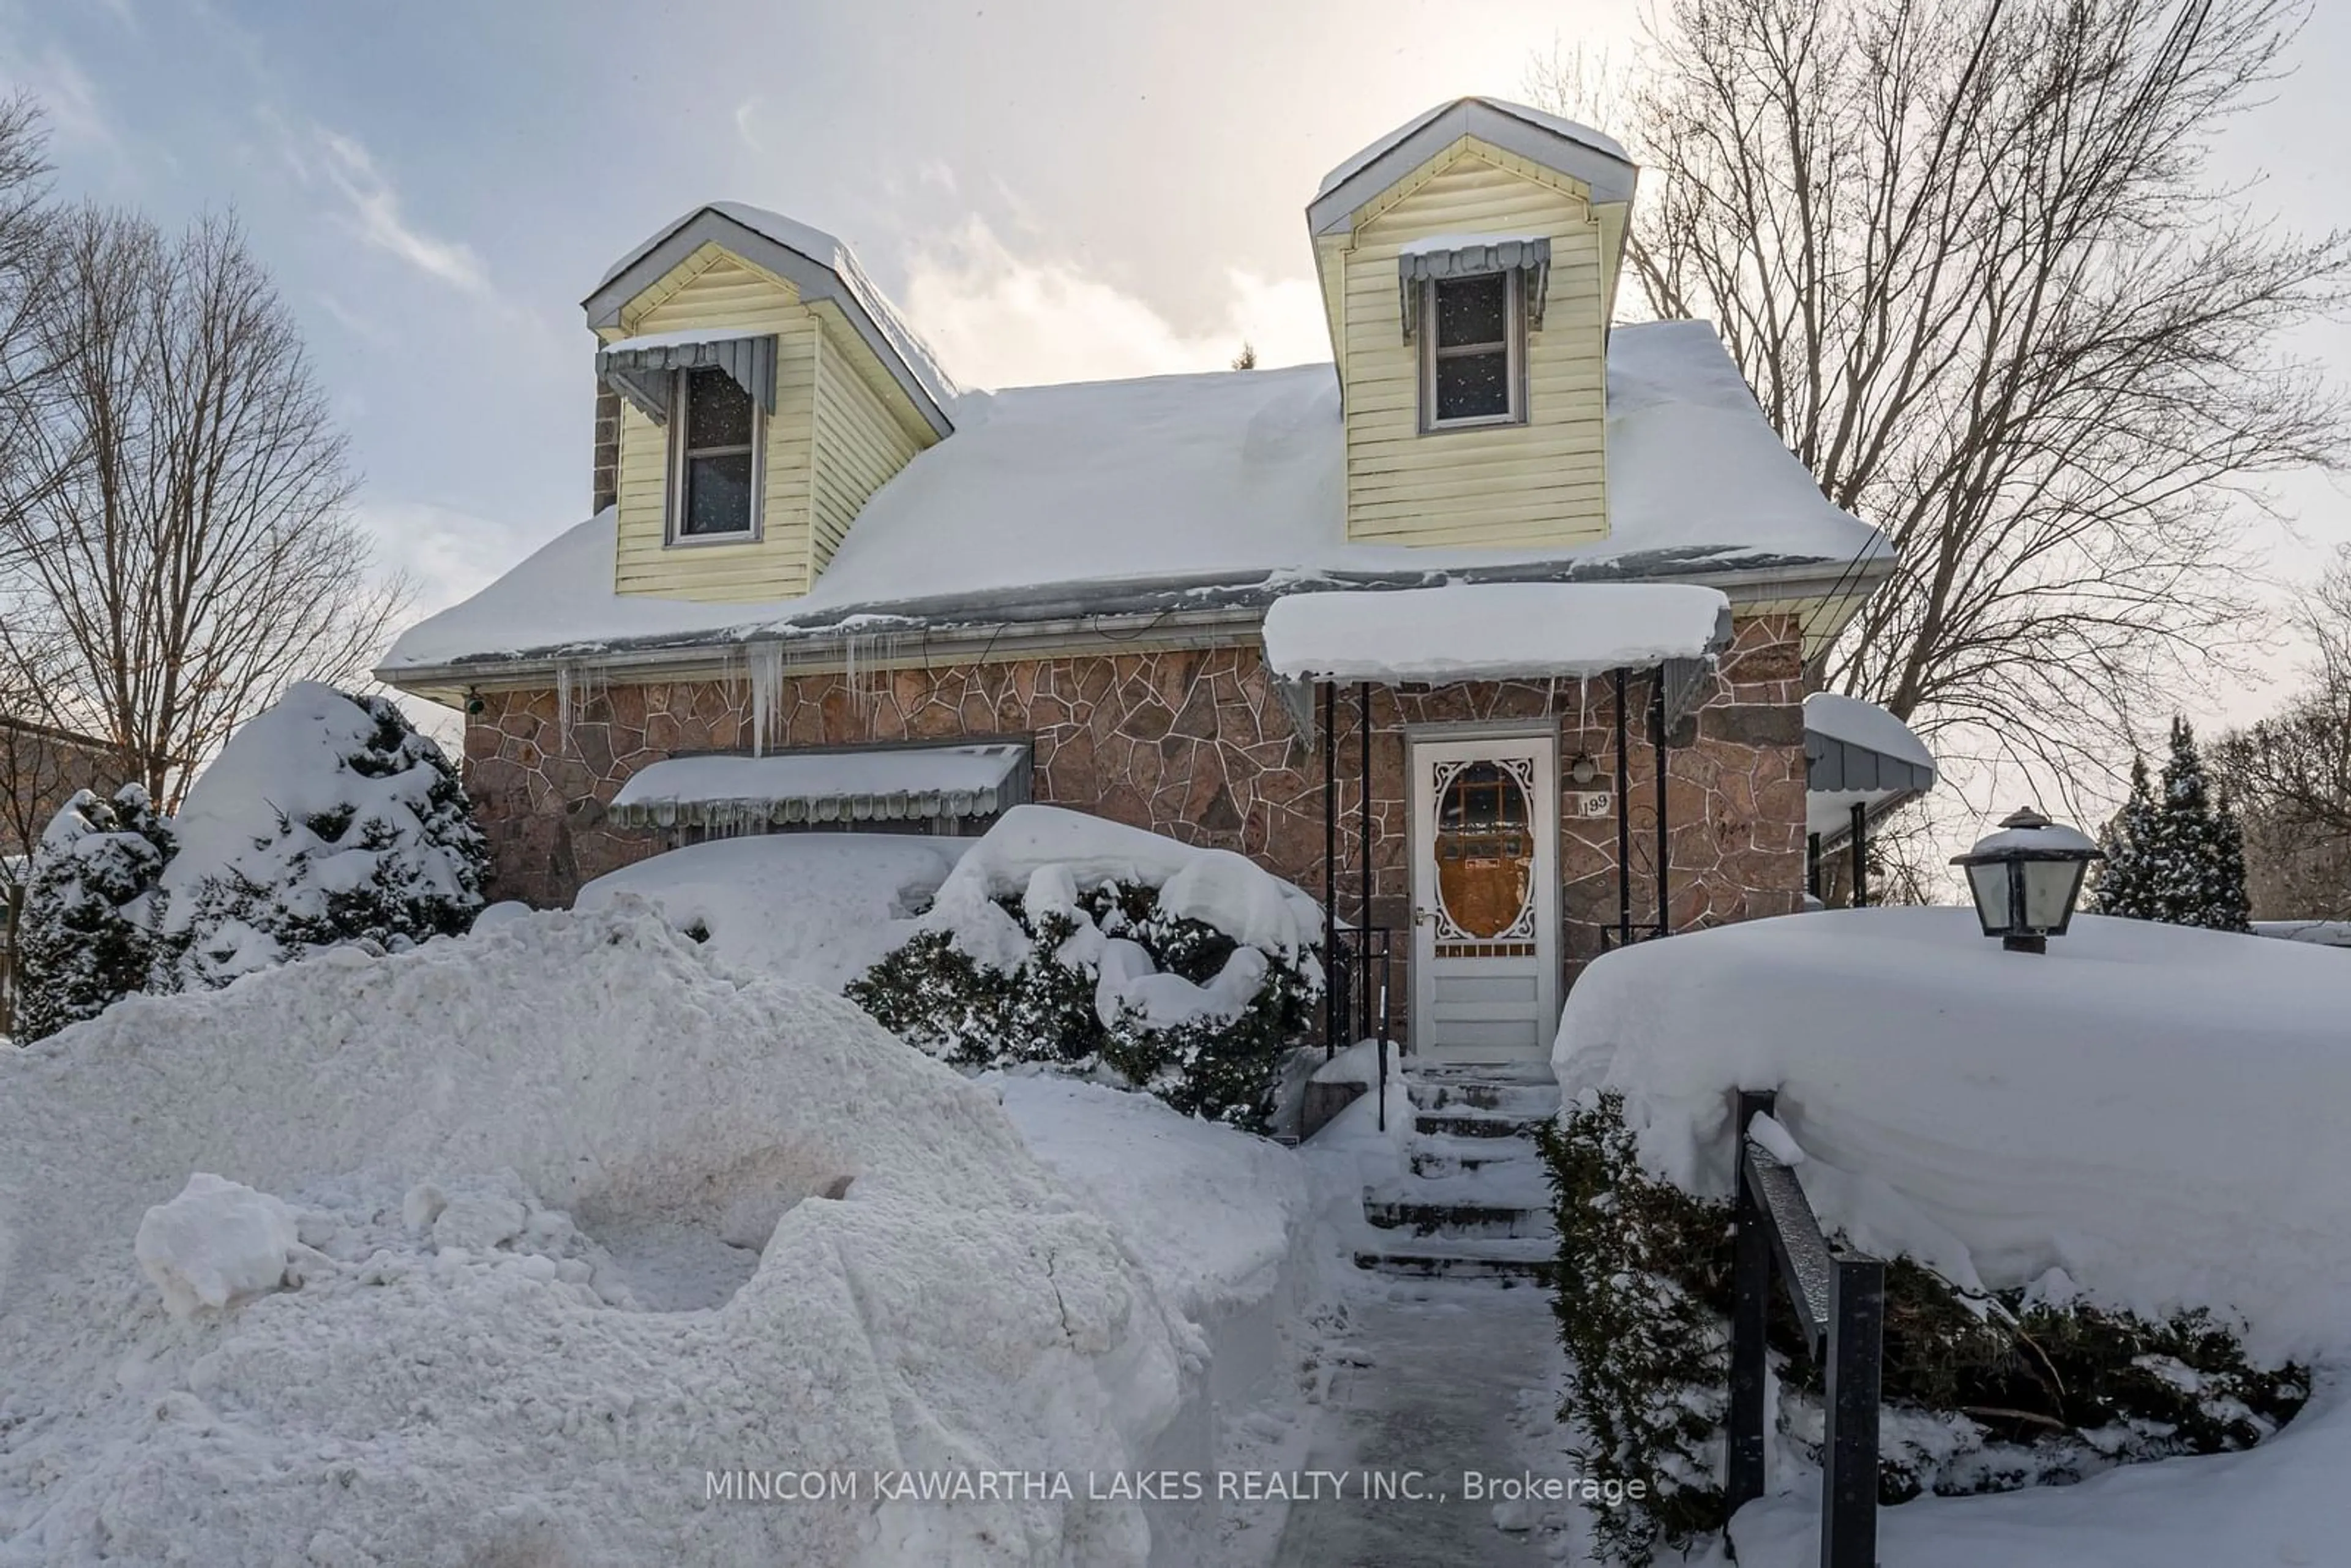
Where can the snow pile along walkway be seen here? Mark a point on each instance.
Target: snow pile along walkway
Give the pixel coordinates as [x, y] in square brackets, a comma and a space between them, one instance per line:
[818, 908]
[576, 1217]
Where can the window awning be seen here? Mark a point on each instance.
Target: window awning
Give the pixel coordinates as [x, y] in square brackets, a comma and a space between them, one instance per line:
[640, 368]
[1857, 754]
[1466, 255]
[878, 784]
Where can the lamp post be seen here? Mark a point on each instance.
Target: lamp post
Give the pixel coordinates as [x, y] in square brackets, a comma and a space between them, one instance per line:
[2025, 878]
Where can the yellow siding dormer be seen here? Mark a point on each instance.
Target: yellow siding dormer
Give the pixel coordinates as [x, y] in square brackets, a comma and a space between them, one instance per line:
[1468, 172]
[848, 414]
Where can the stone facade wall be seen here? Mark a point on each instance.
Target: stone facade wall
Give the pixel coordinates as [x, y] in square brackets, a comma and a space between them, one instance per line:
[1194, 745]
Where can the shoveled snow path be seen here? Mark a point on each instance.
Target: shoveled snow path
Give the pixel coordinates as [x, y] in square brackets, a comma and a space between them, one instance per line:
[1429, 1380]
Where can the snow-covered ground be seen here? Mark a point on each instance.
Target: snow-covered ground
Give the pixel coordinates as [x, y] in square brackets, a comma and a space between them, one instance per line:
[2147, 1113]
[577, 1213]
[818, 908]
[1225, 1222]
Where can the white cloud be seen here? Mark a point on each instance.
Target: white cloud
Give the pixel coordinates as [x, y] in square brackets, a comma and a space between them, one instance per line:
[345, 165]
[997, 318]
[64, 91]
[446, 554]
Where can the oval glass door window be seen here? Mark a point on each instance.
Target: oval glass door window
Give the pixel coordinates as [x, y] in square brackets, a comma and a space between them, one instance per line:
[1485, 850]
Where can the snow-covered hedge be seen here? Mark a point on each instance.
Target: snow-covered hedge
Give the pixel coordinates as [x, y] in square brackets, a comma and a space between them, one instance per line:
[91, 908]
[1068, 940]
[578, 1215]
[327, 818]
[1985, 1391]
[2109, 1178]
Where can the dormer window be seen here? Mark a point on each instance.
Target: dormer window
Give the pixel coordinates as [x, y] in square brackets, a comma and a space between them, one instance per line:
[1473, 357]
[715, 467]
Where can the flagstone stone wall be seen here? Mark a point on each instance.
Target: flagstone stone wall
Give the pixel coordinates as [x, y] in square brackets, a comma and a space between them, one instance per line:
[1192, 744]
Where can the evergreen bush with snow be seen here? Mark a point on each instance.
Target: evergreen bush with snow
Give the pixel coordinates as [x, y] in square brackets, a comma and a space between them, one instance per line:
[1081, 944]
[326, 818]
[1984, 1391]
[2179, 858]
[92, 905]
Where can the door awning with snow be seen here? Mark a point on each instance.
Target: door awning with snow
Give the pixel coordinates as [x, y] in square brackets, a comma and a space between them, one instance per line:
[641, 369]
[1492, 630]
[1466, 255]
[814, 788]
[1857, 754]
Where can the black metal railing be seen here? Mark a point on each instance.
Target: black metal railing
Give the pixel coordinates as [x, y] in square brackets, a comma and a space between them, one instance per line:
[1357, 983]
[1840, 1302]
[1614, 937]
[1359, 973]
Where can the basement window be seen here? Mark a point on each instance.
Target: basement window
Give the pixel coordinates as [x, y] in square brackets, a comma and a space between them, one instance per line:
[715, 460]
[1473, 351]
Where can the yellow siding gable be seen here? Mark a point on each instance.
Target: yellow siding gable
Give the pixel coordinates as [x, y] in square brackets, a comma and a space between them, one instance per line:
[1539, 483]
[834, 438]
[859, 445]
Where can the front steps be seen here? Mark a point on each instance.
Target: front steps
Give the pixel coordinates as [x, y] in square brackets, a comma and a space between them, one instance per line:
[1473, 1204]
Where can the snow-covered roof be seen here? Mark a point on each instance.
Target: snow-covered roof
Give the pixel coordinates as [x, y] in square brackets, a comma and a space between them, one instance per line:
[834, 264]
[1491, 631]
[1577, 151]
[1199, 491]
[877, 784]
[1857, 754]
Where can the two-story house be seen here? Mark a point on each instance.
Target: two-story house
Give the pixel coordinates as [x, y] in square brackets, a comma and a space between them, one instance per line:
[1493, 629]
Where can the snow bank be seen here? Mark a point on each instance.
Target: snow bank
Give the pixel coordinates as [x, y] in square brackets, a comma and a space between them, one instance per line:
[578, 1215]
[2154, 1109]
[1491, 631]
[817, 908]
[2282, 1502]
[1215, 1214]
[1224, 1223]
[216, 1241]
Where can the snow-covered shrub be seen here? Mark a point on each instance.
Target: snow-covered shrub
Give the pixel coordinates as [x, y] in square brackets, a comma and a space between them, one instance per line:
[1983, 1391]
[1066, 940]
[91, 909]
[326, 818]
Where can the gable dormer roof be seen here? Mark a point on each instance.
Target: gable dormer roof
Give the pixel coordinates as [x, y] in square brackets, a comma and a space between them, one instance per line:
[819, 266]
[1575, 150]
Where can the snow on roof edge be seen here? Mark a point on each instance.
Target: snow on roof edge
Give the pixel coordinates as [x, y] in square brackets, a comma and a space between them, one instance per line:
[834, 254]
[1587, 136]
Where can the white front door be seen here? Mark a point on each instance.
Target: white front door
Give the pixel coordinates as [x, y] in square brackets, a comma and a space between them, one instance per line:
[1485, 898]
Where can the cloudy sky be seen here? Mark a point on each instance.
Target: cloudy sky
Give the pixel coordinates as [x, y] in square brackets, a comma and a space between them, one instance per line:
[1053, 190]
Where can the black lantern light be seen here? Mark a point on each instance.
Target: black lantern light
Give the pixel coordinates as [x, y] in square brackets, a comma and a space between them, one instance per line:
[2025, 879]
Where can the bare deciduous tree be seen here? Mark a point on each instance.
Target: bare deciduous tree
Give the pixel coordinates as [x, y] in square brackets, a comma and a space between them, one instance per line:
[196, 550]
[1967, 254]
[2290, 776]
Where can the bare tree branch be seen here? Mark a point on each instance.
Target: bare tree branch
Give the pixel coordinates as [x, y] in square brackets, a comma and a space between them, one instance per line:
[1968, 259]
[195, 551]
